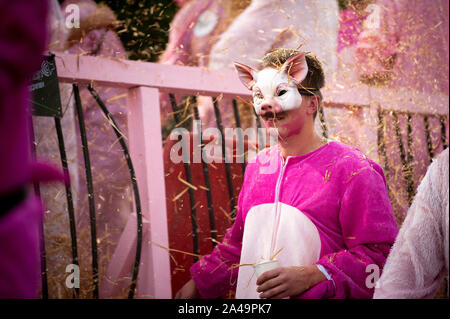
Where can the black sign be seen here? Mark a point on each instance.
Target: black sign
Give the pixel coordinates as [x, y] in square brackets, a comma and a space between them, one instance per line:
[45, 90]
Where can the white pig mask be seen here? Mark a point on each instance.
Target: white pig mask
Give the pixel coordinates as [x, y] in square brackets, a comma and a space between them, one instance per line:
[275, 90]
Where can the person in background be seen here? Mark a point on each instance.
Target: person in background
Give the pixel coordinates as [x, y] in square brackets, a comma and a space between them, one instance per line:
[23, 32]
[319, 206]
[197, 26]
[418, 261]
[392, 51]
[403, 51]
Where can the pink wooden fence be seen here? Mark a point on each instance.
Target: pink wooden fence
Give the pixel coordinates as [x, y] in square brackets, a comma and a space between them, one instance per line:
[144, 81]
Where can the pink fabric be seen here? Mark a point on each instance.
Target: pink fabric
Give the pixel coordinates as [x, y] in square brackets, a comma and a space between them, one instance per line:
[18, 61]
[418, 261]
[350, 210]
[20, 271]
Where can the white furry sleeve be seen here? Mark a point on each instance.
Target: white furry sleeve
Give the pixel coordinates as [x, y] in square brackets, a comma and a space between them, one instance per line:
[418, 260]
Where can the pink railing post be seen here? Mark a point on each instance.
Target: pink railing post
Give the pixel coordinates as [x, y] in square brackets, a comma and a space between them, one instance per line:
[147, 154]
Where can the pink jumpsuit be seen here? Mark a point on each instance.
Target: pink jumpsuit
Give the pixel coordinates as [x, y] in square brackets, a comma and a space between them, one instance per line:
[329, 207]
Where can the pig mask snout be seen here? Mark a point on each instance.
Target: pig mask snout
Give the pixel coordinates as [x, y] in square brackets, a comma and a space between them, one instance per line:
[269, 107]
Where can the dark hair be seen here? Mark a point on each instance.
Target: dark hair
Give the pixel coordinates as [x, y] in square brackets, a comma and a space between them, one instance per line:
[314, 80]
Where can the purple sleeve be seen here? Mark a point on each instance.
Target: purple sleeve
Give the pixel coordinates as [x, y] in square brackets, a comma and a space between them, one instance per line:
[22, 41]
[19, 254]
[369, 230]
[216, 274]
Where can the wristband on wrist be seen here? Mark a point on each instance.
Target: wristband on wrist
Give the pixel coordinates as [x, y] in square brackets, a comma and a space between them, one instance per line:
[324, 272]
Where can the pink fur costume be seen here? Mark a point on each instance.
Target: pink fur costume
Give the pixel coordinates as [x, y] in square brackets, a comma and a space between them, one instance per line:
[329, 207]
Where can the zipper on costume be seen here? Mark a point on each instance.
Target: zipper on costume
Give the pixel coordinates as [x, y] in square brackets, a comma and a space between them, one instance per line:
[277, 204]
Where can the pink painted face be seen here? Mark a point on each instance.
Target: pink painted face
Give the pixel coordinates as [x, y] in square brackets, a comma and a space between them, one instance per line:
[288, 123]
[275, 93]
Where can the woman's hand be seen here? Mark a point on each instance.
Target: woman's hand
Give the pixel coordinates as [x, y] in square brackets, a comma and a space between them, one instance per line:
[288, 281]
[188, 291]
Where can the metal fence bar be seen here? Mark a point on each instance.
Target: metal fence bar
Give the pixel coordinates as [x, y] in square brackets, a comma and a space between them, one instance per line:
[443, 136]
[428, 137]
[406, 168]
[212, 222]
[137, 198]
[44, 279]
[90, 187]
[381, 143]
[37, 191]
[70, 208]
[410, 154]
[173, 103]
[240, 143]
[227, 167]
[187, 169]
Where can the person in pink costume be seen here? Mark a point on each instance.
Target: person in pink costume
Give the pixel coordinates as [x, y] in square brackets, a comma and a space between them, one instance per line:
[319, 207]
[22, 42]
[111, 178]
[418, 261]
[265, 25]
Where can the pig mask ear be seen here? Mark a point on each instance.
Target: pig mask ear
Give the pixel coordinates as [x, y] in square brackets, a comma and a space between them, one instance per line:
[246, 74]
[296, 67]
